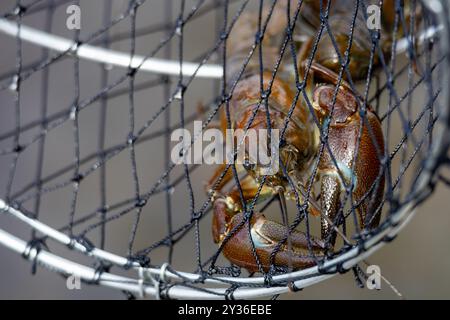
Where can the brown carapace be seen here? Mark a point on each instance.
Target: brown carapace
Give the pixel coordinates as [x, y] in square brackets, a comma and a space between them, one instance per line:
[344, 25]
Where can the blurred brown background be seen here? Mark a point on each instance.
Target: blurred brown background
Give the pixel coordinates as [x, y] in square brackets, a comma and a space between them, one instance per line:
[416, 263]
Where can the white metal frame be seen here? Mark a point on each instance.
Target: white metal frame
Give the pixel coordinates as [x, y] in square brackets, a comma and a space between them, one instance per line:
[107, 56]
[307, 277]
[218, 285]
[121, 59]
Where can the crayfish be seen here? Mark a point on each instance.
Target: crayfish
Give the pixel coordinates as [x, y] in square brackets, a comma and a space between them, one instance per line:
[337, 143]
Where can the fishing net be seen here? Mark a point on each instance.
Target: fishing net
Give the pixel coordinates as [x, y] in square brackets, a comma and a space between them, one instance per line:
[88, 113]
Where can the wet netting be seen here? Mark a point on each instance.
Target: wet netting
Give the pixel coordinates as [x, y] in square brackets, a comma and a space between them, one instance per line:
[359, 91]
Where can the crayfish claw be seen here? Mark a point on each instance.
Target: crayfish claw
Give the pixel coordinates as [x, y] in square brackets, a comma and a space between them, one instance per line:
[266, 238]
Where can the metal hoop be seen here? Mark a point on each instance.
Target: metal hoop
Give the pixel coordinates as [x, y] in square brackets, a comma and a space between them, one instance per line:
[120, 59]
[300, 279]
[106, 56]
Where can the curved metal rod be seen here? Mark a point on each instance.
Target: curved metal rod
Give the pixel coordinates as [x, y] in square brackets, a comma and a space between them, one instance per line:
[135, 286]
[107, 56]
[179, 291]
[160, 66]
[348, 259]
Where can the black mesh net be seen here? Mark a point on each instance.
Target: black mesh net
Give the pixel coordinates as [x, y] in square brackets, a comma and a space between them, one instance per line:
[85, 147]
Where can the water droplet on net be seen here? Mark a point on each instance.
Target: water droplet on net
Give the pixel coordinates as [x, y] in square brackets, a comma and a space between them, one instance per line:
[14, 83]
[179, 94]
[73, 113]
[131, 139]
[17, 10]
[96, 165]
